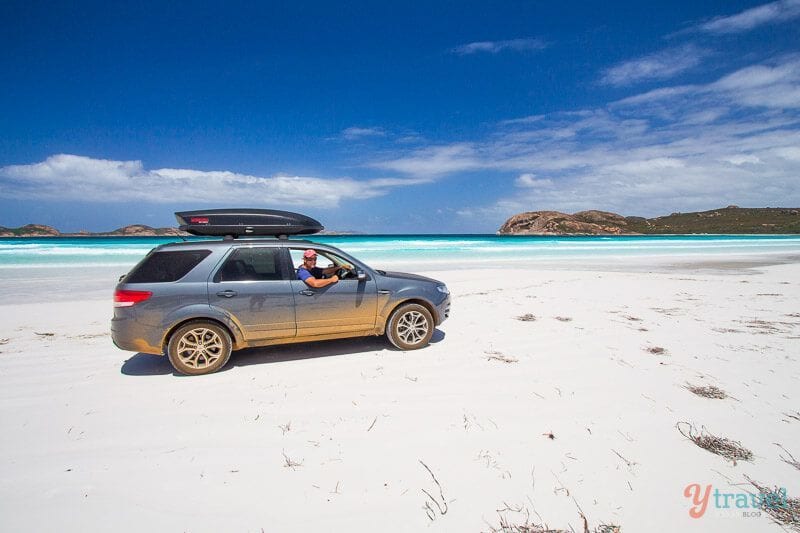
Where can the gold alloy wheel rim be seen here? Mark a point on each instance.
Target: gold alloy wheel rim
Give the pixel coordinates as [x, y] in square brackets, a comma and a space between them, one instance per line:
[200, 348]
[412, 327]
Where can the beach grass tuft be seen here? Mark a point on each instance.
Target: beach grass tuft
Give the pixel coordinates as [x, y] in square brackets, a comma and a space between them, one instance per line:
[790, 460]
[784, 511]
[656, 350]
[291, 463]
[727, 448]
[709, 391]
[525, 525]
[499, 356]
[527, 317]
[795, 415]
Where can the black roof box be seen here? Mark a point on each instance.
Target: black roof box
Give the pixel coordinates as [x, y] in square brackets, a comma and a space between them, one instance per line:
[238, 222]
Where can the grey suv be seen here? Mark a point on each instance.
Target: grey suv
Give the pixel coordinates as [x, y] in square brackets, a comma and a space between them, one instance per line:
[198, 301]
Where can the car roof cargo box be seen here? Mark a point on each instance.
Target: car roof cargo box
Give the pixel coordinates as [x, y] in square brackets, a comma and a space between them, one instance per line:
[252, 222]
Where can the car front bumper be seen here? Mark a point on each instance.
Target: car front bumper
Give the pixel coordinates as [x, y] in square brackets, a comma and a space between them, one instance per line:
[443, 310]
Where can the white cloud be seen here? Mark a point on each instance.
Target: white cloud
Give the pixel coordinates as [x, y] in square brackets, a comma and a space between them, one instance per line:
[647, 166]
[494, 47]
[524, 120]
[789, 153]
[658, 66]
[435, 161]
[657, 95]
[774, 84]
[357, 133]
[732, 141]
[739, 160]
[530, 181]
[774, 12]
[72, 177]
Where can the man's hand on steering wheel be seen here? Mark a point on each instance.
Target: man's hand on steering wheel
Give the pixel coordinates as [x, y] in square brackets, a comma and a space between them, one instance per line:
[344, 271]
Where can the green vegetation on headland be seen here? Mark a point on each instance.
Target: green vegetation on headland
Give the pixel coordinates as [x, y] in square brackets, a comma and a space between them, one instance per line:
[728, 220]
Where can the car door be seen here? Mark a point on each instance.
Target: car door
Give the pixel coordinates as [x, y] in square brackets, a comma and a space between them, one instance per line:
[348, 306]
[253, 286]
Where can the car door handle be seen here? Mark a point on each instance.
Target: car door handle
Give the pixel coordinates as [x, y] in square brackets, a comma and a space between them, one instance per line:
[227, 294]
[307, 292]
[384, 291]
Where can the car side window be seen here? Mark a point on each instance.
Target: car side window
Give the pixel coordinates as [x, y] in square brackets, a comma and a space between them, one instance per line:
[324, 259]
[164, 267]
[296, 258]
[252, 264]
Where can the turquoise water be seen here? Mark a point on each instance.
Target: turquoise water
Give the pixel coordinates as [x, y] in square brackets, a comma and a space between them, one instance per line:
[389, 250]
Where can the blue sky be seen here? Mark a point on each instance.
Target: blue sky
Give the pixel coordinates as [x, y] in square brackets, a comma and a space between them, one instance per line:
[390, 118]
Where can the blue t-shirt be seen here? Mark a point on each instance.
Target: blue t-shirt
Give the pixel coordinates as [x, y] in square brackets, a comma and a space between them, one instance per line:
[303, 273]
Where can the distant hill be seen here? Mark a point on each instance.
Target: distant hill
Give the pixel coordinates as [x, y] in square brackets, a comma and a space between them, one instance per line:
[29, 230]
[135, 230]
[140, 230]
[728, 220]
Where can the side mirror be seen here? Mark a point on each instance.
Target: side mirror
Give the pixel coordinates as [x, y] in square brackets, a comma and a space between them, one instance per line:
[361, 275]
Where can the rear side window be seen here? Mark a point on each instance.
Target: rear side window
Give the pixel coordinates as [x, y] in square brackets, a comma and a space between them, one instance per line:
[251, 264]
[163, 267]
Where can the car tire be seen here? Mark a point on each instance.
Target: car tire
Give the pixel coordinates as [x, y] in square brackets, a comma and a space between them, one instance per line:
[410, 327]
[199, 347]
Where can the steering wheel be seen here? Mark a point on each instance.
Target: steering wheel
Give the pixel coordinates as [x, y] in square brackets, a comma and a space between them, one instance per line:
[345, 273]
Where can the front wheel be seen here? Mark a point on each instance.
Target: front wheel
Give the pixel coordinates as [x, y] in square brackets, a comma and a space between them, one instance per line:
[410, 327]
[199, 347]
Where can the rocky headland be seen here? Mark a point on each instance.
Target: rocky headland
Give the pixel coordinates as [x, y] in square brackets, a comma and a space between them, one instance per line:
[134, 230]
[556, 223]
[728, 220]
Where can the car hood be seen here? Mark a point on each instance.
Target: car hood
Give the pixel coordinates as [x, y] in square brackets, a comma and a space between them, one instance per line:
[405, 275]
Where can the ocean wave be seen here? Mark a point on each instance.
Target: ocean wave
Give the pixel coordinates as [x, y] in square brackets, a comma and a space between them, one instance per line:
[418, 250]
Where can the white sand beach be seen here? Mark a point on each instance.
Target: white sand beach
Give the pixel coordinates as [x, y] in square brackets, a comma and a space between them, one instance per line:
[570, 413]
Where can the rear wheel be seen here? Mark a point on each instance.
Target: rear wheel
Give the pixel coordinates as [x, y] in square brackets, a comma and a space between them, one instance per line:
[199, 347]
[410, 327]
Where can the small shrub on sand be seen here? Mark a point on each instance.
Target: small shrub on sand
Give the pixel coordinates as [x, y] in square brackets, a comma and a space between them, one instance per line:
[657, 350]
[727, 448]
[527, 317]
[709, 391]
[783, 510]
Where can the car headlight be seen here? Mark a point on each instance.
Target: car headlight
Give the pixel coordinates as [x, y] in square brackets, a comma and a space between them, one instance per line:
[443, 289]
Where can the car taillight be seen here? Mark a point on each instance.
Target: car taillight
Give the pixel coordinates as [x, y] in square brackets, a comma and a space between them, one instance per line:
[128, 298]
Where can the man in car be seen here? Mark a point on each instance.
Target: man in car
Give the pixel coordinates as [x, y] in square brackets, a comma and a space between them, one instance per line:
[313, 275]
